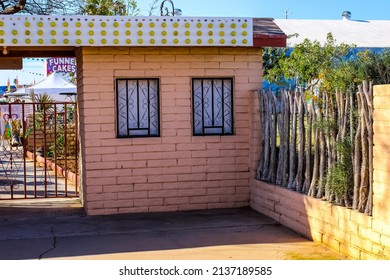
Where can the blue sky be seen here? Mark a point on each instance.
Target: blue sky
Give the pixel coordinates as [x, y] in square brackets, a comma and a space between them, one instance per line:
[296, 9]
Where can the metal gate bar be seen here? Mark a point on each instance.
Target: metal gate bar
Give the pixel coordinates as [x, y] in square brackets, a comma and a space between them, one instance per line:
[39, 141]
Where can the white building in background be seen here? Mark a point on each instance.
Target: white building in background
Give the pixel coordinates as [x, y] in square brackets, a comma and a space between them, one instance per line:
[372, 34]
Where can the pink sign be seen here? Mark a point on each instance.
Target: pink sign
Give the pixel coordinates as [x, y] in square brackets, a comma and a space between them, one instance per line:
[61, 65]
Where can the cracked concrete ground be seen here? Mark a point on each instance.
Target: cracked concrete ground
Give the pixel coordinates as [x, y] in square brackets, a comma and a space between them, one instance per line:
[197, 235]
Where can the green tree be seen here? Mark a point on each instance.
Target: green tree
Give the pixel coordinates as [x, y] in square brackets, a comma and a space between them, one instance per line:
[365, 65]
[153, 7]
[373, 66]
[64, 7]
[329, 66]
[272, 71]
[110, 7]
[40, 7]
[309, 63]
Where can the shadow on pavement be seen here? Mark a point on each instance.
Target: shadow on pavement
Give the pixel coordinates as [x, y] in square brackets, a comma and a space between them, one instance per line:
[210, 234]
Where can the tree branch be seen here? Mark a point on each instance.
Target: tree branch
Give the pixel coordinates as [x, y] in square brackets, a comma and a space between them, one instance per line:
[10, 10]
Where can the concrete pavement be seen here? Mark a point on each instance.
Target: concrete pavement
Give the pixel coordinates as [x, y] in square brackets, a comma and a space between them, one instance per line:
[197, 235]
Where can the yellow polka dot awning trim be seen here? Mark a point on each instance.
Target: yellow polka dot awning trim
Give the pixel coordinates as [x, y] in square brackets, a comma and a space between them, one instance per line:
[51, 30]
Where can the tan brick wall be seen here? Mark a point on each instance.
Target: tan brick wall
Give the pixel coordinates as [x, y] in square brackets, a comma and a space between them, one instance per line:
[381, 207]
[176, 171]
[349, 232]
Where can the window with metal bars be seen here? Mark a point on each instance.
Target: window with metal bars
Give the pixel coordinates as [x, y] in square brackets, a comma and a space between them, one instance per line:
[212, 106]
[138, 107]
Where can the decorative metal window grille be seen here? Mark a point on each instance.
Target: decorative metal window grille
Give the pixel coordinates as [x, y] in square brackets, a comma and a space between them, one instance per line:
[212, 106]
[137, 107]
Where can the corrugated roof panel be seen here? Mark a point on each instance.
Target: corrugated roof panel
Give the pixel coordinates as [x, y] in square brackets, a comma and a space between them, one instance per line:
[368, 34]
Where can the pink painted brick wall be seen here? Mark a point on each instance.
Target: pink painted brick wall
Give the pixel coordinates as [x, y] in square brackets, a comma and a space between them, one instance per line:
[352, 233]
[176, 171]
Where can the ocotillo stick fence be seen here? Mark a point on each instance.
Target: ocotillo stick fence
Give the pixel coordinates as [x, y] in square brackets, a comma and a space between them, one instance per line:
[320, 145]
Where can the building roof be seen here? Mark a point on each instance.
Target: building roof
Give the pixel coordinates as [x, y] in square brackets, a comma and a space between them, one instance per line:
[266, 33]
[32, 31]
[362, 33]
[55, 81]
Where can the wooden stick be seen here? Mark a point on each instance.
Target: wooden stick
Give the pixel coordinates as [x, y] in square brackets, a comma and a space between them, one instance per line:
[260, 168]
[273, 131]
[293, 110]
[357, 157]
[266, 137]
[298, 181]
[309, 114]
[286, 133]
[314, 180]
[280, 172]
[368, 94]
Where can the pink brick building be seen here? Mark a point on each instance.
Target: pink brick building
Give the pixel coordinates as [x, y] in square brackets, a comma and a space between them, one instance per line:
[167, 105]
[179, 164]
[169, 120]
[176, 170]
